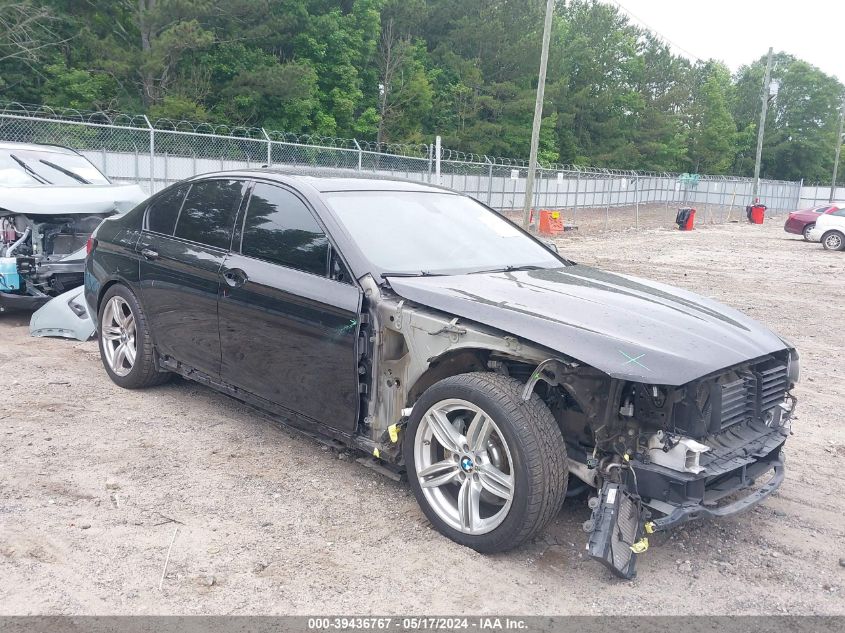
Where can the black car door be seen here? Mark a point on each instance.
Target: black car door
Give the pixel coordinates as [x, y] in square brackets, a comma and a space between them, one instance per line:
[181, 259]
[288, 330]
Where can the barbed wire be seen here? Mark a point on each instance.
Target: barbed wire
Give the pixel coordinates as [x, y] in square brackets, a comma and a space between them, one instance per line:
[420, 151]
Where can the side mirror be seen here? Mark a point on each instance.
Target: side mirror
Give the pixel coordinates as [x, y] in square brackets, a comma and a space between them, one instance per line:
[550, 244]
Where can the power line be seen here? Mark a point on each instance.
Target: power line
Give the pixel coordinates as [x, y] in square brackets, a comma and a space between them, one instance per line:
[654, 30]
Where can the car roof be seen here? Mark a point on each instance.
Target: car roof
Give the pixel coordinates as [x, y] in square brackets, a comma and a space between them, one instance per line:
[35, 147]
[330, 181]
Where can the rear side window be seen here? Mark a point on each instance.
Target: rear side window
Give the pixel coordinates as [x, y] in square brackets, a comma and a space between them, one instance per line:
[162, 213]
[208, 214]
[840, 212]
[279, 228]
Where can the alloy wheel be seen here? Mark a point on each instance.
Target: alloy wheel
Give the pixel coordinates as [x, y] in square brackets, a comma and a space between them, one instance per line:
[118, 334]
[833, 241]
[464, 466]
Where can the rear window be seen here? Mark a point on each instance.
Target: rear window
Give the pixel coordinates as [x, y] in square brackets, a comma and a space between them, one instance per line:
[162, 213]
[208, 214]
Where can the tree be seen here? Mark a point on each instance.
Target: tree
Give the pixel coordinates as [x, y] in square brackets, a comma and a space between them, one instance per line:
[711, 128]
[802, 120]
[28, 37]
[616, 95]
[405, 94]
[25, 31]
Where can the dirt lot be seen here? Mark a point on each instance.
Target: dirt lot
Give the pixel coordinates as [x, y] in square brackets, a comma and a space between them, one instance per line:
[95, 481]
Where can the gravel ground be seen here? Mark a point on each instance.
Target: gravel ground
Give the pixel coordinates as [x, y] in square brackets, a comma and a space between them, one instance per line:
[95, 483]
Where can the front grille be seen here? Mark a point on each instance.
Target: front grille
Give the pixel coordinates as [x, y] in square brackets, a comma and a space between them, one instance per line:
[772, 381]
[738, 399]
[747, 394]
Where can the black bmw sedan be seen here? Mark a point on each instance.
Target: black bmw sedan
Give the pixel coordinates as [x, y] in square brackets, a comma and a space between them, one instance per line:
[420, 328]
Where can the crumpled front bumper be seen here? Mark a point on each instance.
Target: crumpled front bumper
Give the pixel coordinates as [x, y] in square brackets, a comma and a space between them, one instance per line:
[693, 510]
[681, 497]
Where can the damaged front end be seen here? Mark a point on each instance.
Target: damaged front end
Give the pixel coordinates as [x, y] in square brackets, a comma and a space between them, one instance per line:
[41, 257]
[662, 455]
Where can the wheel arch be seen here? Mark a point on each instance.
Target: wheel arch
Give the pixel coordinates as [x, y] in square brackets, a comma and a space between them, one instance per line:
[450, 363]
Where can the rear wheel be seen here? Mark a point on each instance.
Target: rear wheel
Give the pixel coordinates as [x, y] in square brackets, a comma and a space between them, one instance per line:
[807, 230]
[488, 469]
[126, 347]
[833, 241]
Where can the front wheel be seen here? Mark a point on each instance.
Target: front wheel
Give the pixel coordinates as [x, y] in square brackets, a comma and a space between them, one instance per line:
[488, 469]
[807, 230]
[833, 241]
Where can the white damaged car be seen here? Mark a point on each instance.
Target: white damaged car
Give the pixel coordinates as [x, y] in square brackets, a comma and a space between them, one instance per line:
[51, 200]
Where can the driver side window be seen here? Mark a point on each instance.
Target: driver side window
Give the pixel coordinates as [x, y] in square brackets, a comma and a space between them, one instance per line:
[279, 228]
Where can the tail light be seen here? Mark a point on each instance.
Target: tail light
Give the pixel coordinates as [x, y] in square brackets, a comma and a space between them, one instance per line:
[90, 245]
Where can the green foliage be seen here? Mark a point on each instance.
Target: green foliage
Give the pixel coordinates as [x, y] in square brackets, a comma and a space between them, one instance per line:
[405, 70]
[712, 132]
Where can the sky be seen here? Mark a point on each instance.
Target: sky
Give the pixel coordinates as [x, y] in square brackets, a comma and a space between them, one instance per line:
[738, 32]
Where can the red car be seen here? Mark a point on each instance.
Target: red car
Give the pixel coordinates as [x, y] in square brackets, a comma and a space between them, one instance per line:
[802, 222]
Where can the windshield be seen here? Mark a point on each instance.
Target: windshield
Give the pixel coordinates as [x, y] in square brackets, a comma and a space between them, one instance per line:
[21, 167]
[420, 233]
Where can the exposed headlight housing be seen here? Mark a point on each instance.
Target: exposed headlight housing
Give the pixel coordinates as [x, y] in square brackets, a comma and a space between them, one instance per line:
[793, 368]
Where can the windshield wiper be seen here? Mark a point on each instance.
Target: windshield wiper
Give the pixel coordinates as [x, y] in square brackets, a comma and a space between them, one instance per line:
[509, 269]
[421, 273]
[30, 170]
[66, 172]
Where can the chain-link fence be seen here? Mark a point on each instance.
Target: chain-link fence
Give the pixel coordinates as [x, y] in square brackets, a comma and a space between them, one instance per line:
[154, 154]
[818, 194]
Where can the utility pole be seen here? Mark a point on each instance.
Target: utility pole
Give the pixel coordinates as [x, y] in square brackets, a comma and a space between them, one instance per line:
[838, 151]
[755, 189]
[538, 114]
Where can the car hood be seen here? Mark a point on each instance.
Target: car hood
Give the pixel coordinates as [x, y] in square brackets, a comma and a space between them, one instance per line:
[627, 327]
[70, 200]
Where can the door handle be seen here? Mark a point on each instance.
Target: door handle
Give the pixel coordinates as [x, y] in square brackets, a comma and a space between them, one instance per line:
[235, 277]
[149, 253]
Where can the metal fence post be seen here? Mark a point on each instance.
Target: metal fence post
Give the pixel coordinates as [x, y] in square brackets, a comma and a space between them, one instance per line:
[489, 179]
[637, 200]
[269, 148]
[152, 154]
[360, 153]
[437, 151]
[575, 205]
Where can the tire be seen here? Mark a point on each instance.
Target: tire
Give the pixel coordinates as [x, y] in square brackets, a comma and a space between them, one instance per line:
[122, 322]
[806, 231]
[833, 241]
[514, 470]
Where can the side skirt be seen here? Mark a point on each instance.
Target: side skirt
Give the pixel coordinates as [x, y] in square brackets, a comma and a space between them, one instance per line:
[290, 419]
